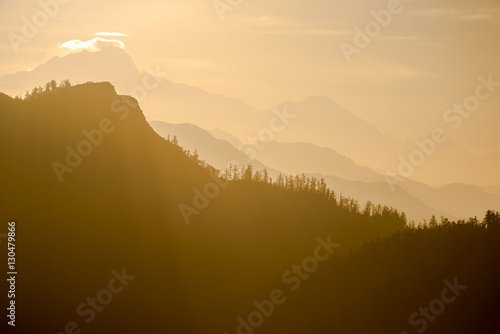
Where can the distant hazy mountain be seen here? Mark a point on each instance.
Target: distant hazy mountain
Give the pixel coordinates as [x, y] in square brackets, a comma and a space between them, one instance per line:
[110, 64]
[224, 135]
[297, 158]
[454, 200]
[288, 158]
[449, 163]
[492, 189]
[414, 208]
[467, 199]
[323, 122]
[418, 200]
[317, 120]
[217, 152]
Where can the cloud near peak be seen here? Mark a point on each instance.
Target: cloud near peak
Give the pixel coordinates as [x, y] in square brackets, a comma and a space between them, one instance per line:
[92, 45]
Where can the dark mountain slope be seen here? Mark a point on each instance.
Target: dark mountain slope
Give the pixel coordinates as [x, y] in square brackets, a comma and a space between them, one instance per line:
[119, 208]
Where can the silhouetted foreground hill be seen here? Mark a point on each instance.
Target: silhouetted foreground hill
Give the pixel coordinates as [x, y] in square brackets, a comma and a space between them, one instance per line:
[443, 279]
[103, 245]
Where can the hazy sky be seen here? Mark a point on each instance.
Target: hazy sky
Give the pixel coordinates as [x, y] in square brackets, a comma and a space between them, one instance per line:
[427, 58]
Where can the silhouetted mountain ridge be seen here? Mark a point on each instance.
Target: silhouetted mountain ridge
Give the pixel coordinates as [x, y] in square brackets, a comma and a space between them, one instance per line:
[118, 206]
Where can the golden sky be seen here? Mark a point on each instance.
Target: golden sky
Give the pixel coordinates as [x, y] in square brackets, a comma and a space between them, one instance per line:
[425, 59]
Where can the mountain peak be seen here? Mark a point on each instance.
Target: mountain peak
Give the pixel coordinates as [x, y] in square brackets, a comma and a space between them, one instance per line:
[111, 56]
[109, 64]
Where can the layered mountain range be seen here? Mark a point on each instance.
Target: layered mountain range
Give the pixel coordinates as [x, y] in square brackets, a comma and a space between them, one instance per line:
[314, 136]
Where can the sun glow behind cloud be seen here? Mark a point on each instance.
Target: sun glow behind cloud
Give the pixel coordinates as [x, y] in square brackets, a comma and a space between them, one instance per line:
[92, 45]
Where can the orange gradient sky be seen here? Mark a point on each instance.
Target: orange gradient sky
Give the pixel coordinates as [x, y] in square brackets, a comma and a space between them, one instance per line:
[426, 59]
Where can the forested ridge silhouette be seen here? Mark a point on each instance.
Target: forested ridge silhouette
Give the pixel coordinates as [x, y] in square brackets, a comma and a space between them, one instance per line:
[119, 207]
